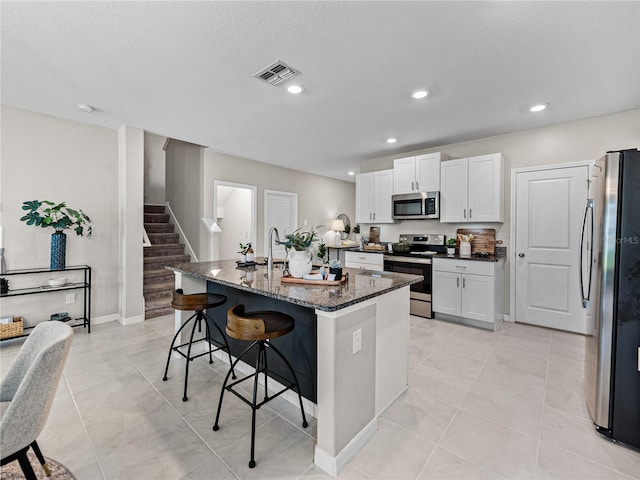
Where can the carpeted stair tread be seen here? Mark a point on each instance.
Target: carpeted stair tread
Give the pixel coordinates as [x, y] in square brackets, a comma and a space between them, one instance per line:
[156, 217]
[166, 286]
[160, 262]
[154, 209]
[158, 312]
[164, 250]
[157, 275]
[163, 238]
[152, 228]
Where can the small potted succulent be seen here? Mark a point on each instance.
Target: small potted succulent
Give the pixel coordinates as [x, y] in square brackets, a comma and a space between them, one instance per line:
[322, 251]
[451, 246]
[335, 268]
[4, 285]
[244, 250]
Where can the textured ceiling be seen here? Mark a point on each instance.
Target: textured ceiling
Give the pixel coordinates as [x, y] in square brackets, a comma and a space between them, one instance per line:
[185, 70]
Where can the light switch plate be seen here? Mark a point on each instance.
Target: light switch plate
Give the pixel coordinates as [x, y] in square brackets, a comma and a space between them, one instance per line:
[357, 341]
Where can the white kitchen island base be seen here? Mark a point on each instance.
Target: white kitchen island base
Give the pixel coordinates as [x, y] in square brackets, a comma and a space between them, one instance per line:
[353, 385]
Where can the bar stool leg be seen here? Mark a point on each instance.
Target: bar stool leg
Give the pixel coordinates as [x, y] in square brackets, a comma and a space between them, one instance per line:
[189, 359]
[173, 342]
[295, 379]
[260, 356]
[208, 334]
[41, 459]
[216, 427]
[226, 343]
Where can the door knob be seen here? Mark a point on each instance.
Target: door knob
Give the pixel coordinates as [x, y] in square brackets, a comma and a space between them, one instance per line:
[521, 255]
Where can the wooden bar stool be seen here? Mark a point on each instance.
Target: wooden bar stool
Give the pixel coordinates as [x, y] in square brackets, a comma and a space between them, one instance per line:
[198, 302]
[259, 328]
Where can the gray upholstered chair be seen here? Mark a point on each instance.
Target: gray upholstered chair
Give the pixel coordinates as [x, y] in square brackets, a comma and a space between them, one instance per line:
[28, 389]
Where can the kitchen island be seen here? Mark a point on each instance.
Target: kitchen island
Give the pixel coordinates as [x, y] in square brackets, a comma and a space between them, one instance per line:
[350, 346]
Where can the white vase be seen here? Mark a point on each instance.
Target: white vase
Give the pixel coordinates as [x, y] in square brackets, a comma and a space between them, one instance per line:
[299, 263]
[243, 258]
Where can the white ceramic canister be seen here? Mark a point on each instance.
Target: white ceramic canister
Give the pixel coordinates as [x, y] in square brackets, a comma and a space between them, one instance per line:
[465, 249]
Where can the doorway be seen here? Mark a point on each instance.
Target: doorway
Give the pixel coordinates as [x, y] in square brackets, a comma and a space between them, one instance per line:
[546, 218]
[280, 211]
[235, 211]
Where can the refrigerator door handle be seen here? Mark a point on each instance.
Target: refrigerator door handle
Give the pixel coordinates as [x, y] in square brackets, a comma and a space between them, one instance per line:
[588, 212]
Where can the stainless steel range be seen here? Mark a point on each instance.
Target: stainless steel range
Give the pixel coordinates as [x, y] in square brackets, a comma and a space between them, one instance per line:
[422, 246]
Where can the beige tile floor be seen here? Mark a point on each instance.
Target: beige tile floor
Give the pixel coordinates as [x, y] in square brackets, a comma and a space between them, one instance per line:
[485, 405]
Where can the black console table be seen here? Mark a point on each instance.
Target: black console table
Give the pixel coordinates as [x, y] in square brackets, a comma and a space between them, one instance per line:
[41, 286]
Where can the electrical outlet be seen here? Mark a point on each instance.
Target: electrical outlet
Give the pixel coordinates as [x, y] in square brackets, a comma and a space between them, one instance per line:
[357, 341]
[71, 298]
[306, 223]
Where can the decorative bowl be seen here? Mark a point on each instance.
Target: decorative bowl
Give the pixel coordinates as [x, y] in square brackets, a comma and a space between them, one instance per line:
[401, 247]
[57, 282]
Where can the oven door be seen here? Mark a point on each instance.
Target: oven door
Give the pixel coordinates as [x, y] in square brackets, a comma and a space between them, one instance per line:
[420, 293]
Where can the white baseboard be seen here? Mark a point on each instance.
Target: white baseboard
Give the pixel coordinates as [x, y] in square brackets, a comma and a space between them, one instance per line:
[131, 320]
[334, 465]
[105, 319]
[507, 318]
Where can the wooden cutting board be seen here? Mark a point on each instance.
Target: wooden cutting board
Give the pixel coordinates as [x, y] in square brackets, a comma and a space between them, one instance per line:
[484, 239]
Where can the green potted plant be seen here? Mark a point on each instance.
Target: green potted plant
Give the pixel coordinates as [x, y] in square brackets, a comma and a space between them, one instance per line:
[243, 252]
[451, 246]
[297, 245]
[45, 213]
[4, 285]
[322, 251]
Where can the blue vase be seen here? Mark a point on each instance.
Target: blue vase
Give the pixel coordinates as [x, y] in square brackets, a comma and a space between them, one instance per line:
[58, 251]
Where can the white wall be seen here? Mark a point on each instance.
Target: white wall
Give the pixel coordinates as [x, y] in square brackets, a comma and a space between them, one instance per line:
[183, 191]
[154, 168]
[568, 142]
[320, 199]
[236, 224]
[44, 157]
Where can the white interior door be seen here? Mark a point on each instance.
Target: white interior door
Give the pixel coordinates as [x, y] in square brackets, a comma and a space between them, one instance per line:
[280, 211]
[548, 218]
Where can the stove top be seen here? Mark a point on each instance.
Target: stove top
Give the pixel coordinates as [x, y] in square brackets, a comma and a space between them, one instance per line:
[422, 244]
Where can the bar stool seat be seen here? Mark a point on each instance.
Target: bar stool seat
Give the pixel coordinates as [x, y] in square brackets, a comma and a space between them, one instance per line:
[197, 302]
[258, 327]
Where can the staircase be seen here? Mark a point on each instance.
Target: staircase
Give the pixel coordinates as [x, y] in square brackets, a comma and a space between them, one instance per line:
[165, 249]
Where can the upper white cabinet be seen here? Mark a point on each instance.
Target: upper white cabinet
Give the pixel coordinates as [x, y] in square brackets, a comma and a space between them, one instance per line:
[373, 197]
[417, 174]
[472, 189]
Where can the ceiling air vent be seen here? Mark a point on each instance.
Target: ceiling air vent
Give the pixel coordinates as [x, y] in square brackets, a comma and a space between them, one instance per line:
[276, 73]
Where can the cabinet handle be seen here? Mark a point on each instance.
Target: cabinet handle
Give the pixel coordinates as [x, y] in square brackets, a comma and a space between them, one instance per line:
[463, 283]
[458, 282]
[412, 188]
[461, 266]
[470, 213]
[374, 215]
[417, 186]
[370, 215]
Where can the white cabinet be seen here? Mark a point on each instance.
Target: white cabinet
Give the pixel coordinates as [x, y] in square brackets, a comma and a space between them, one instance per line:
[373, 197]
[468, 291]
[364, 260]
[472, 189]
[417, 174]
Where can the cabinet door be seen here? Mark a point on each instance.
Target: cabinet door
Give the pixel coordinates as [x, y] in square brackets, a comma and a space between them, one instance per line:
[428, 172]
[404, 175]
[486, 188]
[478, 297]
[364, 198]
[453, 191]
[382, 191]
[445, 296]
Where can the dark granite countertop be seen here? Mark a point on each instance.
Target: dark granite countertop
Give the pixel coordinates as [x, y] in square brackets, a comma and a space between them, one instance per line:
[360, 286]
[473, 258]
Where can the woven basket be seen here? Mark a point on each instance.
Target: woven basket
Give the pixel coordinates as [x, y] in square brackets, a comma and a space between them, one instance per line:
[12, 329]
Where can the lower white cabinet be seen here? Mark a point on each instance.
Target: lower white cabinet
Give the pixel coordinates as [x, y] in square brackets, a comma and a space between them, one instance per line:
[364, 260]
[469, 291]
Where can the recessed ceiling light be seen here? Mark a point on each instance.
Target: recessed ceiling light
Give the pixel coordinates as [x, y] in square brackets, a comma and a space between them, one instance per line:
[422, 93]
[392, 140]
[538, 108]
[295, 89]
[83, 107]
[351, 172]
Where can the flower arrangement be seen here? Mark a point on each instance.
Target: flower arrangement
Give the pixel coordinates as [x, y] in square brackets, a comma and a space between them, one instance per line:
[44, 213]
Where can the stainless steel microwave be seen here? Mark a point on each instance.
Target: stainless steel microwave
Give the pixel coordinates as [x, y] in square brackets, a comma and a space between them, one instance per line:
[416, 206]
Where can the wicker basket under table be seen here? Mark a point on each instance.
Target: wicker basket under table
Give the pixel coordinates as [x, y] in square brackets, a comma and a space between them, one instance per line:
[14, 329]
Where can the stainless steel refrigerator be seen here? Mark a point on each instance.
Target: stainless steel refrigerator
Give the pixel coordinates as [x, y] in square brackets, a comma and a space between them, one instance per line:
[610, 284]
